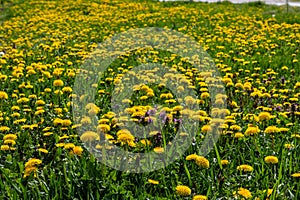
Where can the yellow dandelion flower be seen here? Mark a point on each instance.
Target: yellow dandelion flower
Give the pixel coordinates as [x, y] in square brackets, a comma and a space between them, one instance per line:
[109, 115]
[295, 136]
[138, 114]
[60, 144]
[283, 129]
[29, 170]
[251, 131]
[152, 133]
[264, 116]
[189, 100]
[200, 197]
[169, 95]
[43, 150]
[202, 162]
[191, 157]
[153, 182]
[57, 121]
[170, 101]
[40, 102]
[224, 162]
[69, 146]
[288, 146]
[86, 120]
[103, 121]
[177, 108]
[271, 159]
[239, 135]
[125, 138]
[183, 190]
[296, 175]
[271, 129]
[67, 89]
[143, 97]
[269, 192]
[10, 137]
[23, 100]
[66, 122]
[10, 142]
[39, 112]
[145, 142]
[123, 131]
[77, 150]
[89, 136]
[244, 193]
[48, 134]
[4, 128]
[239, 86]
[284, 68]
[109, 137]
[76, 126]
[234, 104]
[206, 128]
[219, 101]
[33, 162]
[103, 128]
[14, 108]
[247, 86]
[297, 85]
[58, 110]
[235, 127]
[245, 168]
[3, 95]
[150, 94]
[180, 88]
[4, 147]
[158, 150]
[204, 95]
[163, 96]
[58, 92]
[58, 83]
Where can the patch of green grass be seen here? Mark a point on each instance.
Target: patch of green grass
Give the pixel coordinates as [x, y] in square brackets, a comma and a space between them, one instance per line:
[257, 3]
[5, 11]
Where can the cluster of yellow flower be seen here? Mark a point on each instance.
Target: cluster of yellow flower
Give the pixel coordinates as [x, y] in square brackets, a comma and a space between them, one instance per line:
[9, 140]
[200, 160]
[31, 166]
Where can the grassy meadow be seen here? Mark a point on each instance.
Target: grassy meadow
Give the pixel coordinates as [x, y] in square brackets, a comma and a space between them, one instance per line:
[255, 48]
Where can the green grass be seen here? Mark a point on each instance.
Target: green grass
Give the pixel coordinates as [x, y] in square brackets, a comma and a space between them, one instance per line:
[5, 11]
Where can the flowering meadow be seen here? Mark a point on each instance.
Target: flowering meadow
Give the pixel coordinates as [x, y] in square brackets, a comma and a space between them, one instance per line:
[255, 48]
